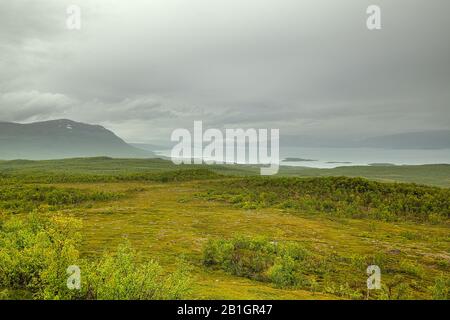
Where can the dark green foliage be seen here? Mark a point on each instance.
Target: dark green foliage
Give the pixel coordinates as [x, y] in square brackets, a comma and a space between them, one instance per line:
[351, 197]
[290, 264]
[64, 177]
[26, 198]
[240, 256]
[283, 264]
[35, 253]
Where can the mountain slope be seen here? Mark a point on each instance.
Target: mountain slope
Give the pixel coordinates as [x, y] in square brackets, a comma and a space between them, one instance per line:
[434, 139]
[438, 139]
[62, 139]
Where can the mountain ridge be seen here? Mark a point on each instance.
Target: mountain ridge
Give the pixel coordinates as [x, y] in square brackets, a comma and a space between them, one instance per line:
[62, 138]
[433, 139]
[425, 140]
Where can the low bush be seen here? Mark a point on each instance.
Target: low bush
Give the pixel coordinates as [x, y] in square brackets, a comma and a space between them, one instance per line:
[259, 259]
[121, 276]
[291, 265]
[338, 196]
[35, 253]
[26, 198]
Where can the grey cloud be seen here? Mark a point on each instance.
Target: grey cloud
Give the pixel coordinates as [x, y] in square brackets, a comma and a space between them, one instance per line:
[31, 105]
[147, 67]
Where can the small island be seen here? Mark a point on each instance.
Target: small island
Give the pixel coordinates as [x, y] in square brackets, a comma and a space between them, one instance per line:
[297, 160]
[341, 162]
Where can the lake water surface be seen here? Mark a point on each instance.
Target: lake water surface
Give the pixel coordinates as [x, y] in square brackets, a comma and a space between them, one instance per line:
[336, 157]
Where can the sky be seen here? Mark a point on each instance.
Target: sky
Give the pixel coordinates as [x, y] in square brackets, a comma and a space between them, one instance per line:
[144, 68]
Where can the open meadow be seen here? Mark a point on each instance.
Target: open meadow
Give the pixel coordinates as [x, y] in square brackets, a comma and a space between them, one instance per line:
[147, 229]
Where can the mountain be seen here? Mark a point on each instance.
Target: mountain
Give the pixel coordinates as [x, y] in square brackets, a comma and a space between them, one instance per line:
[150, 147]
[62, 139]
[439, 139]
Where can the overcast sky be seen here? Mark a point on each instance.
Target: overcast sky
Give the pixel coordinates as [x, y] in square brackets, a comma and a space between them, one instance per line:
[143, 68]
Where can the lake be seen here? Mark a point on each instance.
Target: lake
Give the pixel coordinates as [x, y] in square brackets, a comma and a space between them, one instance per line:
[336, 157]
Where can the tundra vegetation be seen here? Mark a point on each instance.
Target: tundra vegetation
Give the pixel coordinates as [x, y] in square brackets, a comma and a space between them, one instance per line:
[146, 229]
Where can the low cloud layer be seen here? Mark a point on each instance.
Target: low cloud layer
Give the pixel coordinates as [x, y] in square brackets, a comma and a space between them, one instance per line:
[144, 68]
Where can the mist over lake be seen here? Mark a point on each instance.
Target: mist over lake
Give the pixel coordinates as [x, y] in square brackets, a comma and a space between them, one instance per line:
[337, 157]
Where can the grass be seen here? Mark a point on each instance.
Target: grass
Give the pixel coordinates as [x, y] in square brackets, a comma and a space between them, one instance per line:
[159, 227]
[434, 175]
[165, 219]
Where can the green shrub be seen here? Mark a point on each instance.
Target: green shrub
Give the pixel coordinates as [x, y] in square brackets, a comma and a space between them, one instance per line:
[260, 259]
[27, 198]
[121, 276]
[35, 253]
[340, 196]
[282, 272]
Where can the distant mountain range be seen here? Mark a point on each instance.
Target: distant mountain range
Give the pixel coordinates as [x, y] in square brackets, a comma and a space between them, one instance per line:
[68, 139]
[150, 147]
[438, 139]
[62, 139]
